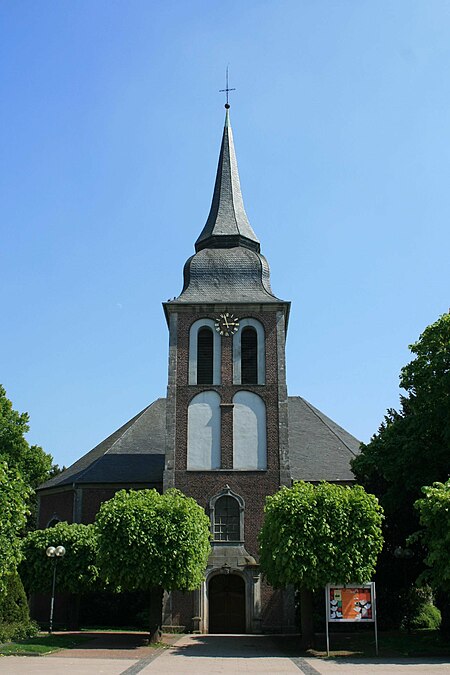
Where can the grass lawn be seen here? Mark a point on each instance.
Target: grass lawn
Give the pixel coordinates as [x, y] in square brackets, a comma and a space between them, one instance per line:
[104, 639]
[43, 644]
[390, 644]
[394, 644]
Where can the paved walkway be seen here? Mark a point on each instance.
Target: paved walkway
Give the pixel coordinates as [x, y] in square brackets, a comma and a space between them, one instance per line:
[206, 654]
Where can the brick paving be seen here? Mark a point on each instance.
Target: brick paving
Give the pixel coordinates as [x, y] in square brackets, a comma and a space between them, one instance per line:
[127, 654]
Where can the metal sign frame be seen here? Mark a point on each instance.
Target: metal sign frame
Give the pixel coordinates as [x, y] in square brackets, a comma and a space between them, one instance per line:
[359, 618]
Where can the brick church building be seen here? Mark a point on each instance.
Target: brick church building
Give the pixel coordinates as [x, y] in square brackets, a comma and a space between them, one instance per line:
[227, 434]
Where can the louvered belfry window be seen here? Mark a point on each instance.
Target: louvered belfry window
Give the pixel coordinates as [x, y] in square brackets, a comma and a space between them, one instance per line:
[205, 356]
[226, 519]
[249, 356]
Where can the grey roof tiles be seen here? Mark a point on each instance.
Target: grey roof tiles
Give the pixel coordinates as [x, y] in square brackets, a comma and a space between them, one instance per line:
[227, 224]
[319, 449]
[227, 265]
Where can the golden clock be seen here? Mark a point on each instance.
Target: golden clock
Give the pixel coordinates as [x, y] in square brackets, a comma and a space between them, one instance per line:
[227, 324]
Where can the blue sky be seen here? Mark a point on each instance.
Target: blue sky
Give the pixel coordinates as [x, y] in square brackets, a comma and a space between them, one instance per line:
[110, 127]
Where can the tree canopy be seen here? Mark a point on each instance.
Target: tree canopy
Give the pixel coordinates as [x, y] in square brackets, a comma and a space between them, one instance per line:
[147, 539]
[14, 495]
[411, 449]
[434, 510]
[317, 534]
[33, 464]
[412, 446]
[76, 572]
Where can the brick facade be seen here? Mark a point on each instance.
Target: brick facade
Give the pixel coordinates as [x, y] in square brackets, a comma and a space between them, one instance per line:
[252, 486]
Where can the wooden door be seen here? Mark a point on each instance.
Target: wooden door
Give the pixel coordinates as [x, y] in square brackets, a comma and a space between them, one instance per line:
[227, 604]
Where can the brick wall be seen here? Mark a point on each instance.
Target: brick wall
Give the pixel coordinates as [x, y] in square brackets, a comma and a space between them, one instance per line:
[252, 486]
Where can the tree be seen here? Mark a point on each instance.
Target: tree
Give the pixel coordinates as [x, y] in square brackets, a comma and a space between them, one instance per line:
[14, 495]
[153, 542]
[33, 464]
[434, 510]
[313, 535]
[76, 572]
[15, 621]
[411, 449]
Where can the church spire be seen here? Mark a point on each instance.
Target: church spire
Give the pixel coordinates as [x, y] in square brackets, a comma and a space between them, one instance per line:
[227, 225]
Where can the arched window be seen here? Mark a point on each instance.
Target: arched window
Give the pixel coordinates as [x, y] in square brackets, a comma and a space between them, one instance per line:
[205, 356]
[204, 353]
[54, 520]
[203, 442]
[249, 432]
[249, 354]
[227, 516]
[226, 520]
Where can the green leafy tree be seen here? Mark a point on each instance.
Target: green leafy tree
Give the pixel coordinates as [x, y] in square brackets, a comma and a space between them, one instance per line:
[313, 535]
[14, 495]
[33, 464]
[434, 510]
[153, 542]
[411, 449]
[76, 572]
[14, 615]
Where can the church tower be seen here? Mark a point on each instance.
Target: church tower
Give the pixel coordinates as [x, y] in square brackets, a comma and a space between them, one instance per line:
[227, 434]
[227, 409]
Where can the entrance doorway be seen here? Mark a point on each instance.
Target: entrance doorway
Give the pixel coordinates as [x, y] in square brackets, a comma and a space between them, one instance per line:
[227, 604]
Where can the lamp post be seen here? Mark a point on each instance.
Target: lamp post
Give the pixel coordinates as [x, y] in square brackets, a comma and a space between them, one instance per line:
[54, 553]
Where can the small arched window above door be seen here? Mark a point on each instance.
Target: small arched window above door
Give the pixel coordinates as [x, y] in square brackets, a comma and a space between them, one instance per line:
[227, 516]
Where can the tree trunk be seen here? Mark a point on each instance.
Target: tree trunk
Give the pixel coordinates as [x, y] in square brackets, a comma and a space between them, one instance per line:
[306, 618]
[156, 598]
[73, 615]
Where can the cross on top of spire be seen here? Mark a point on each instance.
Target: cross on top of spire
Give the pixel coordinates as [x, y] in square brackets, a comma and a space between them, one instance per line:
[227, 90]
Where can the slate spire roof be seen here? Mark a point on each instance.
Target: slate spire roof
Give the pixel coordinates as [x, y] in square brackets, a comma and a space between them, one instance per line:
[228, 266]
[227, 224]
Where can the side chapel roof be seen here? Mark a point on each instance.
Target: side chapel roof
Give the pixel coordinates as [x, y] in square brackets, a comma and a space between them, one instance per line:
[319, 449]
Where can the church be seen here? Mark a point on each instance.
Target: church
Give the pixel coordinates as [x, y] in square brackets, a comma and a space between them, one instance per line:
[227, 433]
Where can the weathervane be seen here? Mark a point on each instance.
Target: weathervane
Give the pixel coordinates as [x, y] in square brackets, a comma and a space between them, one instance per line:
[227, 90]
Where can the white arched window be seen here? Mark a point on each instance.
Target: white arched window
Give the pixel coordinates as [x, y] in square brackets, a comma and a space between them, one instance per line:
[203, 442]
[249, 432]
[204, 353]
[249, 357]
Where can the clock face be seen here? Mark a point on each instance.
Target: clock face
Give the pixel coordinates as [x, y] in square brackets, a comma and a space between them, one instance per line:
[227, 324]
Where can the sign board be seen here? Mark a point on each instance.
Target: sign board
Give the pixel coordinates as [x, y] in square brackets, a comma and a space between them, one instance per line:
[350, 603]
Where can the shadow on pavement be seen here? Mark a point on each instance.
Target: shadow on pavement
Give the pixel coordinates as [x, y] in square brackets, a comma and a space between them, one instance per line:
[108, 640]
[230, 646]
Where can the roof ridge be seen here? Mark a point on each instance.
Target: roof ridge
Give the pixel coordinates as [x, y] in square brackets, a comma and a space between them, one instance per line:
[315, 411]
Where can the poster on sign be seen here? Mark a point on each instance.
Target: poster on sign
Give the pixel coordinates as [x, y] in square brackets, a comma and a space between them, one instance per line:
[350, 603]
